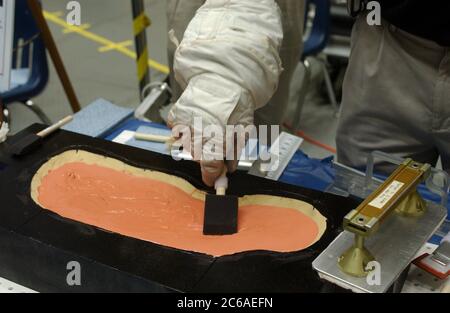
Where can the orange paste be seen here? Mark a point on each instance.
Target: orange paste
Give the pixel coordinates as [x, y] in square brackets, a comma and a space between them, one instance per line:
[162, 213]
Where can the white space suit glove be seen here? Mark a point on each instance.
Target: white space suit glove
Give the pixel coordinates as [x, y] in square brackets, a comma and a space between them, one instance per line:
[228, 65]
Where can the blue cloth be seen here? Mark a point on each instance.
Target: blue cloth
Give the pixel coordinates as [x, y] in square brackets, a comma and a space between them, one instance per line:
[309, 173]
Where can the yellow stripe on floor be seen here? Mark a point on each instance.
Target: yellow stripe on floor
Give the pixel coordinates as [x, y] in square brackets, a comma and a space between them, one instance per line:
[126, 43]
[104, 42]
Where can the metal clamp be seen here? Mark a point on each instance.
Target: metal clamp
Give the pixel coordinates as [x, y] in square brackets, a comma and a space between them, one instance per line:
[398, 193]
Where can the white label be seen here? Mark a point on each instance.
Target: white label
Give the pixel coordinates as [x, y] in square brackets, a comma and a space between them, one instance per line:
[124, 137]
[387, 194]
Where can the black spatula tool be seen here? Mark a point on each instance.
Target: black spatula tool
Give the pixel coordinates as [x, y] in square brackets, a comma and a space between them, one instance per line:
[221, 210]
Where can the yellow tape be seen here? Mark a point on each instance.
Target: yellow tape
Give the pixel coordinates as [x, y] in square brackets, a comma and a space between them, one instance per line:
[142, 65]
[103, 41]
[115, 46]
[141, 23]
[72, 30]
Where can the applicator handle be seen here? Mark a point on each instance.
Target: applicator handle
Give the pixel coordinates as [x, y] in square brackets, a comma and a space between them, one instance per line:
[221, 184]
[44, 133]
[153, 138]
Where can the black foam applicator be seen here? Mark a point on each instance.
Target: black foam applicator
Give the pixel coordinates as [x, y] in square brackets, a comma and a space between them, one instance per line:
[221, 211]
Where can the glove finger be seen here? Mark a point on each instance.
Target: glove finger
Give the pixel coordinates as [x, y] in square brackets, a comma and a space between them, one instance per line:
[211, 171]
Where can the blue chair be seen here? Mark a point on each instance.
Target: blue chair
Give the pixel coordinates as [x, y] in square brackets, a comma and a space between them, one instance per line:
[29, 74]
[320, 30]
[318, 34]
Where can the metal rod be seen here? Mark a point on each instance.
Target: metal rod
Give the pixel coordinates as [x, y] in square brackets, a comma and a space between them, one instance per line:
[37, 110]
[140, 22]
[359, 241]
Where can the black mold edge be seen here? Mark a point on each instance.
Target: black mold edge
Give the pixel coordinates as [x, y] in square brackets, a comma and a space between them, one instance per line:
[33, 264]
[334, 208]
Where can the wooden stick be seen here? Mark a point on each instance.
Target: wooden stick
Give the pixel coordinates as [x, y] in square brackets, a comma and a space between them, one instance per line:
[154, 138]
[44, 133]
[36, 10]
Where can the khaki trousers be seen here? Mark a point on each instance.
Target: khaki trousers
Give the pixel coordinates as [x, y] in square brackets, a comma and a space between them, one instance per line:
[396, 97]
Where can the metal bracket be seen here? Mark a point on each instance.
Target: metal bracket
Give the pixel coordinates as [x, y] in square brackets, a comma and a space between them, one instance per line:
[398, 240]
[150, 109]
[397, 193]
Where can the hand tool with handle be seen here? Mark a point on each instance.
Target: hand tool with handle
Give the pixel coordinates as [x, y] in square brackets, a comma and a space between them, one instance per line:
[32, 141]
[221, 210]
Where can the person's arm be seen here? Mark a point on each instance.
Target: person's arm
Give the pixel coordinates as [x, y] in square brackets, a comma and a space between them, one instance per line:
[228, 64]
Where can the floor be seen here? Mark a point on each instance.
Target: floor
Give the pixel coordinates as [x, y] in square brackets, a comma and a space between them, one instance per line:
[104, 71]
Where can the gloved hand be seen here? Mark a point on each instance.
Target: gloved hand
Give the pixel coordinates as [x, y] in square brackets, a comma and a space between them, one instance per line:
[209, 103]
[228, 65]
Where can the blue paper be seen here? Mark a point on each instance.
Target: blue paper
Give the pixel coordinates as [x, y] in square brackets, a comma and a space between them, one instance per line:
[98, 118]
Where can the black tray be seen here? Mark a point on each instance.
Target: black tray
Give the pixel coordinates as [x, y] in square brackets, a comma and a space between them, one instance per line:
[36, 244]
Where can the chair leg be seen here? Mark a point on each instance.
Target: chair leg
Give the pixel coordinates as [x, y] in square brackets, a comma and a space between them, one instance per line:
[7, 116]
[330, 89]
[302, 95]
[39, 113]
[4, 132]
